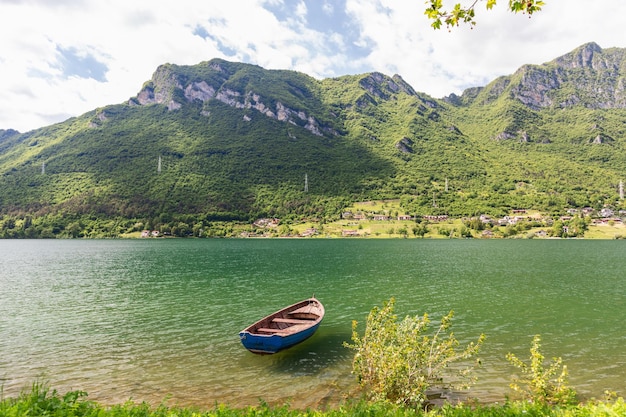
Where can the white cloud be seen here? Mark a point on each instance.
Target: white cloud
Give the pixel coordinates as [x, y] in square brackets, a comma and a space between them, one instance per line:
[121, 43]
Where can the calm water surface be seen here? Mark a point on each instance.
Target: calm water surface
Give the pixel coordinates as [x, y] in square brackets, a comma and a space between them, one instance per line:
[159, 319]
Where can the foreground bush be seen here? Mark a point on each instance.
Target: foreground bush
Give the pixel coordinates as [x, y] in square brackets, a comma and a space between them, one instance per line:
[400, 361]
[540, 383]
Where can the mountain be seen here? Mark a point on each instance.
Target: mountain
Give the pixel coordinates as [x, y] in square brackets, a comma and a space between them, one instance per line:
[230, 141]
[588, 76]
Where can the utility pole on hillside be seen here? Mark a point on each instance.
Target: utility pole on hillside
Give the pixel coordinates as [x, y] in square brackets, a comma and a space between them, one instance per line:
[159, 166]
[43, 168]
[306, 183]
[621, 189]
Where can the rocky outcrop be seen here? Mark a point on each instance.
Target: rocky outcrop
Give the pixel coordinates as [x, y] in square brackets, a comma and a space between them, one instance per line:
[200, 91]
[378, 86]
[99, 118]
[161, 88]
[600, 139]
[170, 87]
[535, 86]
[383, 87]
[504, 136]
[589, 55]
[405, 145]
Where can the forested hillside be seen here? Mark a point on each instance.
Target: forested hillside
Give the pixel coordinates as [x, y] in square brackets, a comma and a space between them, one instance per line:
[224, 141]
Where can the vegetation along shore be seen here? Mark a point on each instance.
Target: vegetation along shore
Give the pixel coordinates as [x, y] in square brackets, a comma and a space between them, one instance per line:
[370, 219]
[41, 401]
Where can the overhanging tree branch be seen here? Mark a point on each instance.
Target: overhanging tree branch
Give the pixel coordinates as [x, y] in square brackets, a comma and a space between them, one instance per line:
[466, 14]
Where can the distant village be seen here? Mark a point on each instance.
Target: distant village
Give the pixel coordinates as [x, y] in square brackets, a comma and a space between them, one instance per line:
[268, 227]
[604, 216]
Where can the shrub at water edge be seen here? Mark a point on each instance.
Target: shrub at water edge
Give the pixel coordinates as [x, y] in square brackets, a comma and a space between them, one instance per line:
[398, 362]
[539, 383]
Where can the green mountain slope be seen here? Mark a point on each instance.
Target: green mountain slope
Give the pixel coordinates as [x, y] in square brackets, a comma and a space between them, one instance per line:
[556, 130]
[231, 141]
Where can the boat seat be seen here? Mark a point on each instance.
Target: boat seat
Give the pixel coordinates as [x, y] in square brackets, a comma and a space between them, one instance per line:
[268, 330]
[290, 321]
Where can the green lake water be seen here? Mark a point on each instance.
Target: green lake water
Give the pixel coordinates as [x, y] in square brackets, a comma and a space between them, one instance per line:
[158, 319]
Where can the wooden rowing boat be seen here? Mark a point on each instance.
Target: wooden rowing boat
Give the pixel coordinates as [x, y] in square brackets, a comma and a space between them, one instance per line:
[284, 328]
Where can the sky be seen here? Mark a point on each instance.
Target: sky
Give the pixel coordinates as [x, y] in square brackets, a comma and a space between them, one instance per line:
[63, 58]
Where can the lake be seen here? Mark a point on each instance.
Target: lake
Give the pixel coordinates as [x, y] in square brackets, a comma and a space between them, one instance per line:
[158, 319]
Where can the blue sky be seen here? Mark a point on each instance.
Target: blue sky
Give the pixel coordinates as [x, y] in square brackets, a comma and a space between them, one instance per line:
[62, 58]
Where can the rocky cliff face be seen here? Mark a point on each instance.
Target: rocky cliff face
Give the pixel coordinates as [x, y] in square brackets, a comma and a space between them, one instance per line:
[383, 87]
[167, 83]
[589, 76]
[170, 87]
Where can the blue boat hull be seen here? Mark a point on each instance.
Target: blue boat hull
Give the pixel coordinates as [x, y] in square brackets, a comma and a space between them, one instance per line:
[284, 328]
[274, 343]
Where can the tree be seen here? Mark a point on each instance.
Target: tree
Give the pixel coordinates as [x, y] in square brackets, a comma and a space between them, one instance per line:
[578, 226]
[284, 230]
[475, 223]
[398, 362]
[420, 230]
[460, 14]
[558, 229]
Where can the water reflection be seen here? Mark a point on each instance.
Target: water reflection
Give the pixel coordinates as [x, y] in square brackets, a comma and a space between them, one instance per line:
[310, 358]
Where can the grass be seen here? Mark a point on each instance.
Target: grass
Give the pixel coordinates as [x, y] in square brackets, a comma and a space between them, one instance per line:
[606, 232]
[42, 401]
